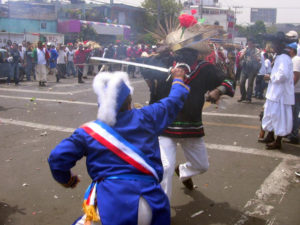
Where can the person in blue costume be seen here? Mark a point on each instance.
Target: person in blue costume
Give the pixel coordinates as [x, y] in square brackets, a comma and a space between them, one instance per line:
[122, 154]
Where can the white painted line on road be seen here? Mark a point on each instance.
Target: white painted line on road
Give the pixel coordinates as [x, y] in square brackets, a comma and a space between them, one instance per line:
[252, 151]
[49, 100]
[274, 187]
[33, 91]
[230, 115]
[228, 148]
[36, 125]
[93, 104]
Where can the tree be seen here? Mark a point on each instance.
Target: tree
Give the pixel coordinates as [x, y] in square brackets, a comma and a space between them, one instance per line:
[169, 10]
[272, 29]
[87, 33]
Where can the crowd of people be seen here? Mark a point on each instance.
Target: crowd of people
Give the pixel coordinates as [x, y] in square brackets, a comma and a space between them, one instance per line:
[73, 59]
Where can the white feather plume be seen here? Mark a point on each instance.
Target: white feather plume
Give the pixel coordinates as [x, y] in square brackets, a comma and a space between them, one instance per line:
[106, 85]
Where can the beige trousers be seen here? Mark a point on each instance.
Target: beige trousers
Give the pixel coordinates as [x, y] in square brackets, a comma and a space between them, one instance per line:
[41, 72]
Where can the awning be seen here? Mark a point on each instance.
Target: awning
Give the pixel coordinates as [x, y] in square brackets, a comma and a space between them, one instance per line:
[107, 28]
[73, 26]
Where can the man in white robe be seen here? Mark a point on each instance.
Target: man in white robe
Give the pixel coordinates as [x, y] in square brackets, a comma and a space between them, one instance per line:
[280, 95]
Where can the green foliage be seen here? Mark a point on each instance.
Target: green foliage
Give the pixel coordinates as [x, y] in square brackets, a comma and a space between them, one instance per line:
[253, 31]
[272, 29]
[147, 39]
[87, 33]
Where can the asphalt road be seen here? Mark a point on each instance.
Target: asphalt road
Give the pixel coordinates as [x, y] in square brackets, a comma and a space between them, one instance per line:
[245, 184]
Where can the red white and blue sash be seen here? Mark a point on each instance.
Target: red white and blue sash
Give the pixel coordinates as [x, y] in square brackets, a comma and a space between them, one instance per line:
[109, 138]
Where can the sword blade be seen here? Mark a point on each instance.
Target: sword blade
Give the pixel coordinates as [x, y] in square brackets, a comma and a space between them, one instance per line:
[101, 59]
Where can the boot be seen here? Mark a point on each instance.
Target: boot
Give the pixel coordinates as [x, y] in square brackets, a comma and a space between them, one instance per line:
[275, 144]
[270, 138]
[187, 183]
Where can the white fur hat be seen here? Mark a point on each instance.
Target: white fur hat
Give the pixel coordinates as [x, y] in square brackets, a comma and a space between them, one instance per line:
[112, 90]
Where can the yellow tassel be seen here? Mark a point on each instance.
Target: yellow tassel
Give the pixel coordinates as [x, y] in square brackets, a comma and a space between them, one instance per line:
[90, 212]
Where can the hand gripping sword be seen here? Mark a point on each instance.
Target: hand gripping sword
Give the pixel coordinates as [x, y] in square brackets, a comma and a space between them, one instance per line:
[142, 65]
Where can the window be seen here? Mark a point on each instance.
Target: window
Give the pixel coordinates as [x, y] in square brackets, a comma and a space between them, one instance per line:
[43, 25]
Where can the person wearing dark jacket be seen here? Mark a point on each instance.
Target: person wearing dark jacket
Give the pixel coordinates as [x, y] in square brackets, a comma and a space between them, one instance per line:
[187, 129]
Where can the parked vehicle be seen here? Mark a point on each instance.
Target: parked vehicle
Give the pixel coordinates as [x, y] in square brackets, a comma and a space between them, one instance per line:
[4, 66]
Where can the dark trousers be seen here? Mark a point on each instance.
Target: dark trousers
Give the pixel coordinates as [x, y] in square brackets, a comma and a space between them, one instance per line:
[250, 75]
[296, 109]
[260, 86]
[79, 73]
[14, 72]
[61, 70]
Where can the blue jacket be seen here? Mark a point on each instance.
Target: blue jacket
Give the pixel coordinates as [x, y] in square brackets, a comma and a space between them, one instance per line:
[141, 128]
[53, 58]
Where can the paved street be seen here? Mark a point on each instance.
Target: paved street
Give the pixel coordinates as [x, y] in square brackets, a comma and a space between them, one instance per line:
[245, 184]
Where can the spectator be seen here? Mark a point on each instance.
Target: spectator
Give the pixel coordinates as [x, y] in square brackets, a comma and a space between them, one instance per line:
[53, 63]
[293, 137]
[260, 82]
[14, 61]
[41, 57]
[70, 61]
[280, 97]
[80, 59]
[28, 62]
[61, 62]
[250, 58]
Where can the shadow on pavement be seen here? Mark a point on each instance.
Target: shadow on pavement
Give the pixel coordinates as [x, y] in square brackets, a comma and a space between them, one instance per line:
[213, 213]
[292, 149]
[6, 211]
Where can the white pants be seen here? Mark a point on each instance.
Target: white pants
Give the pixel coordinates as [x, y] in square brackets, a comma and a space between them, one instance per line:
[194, 151]
[144, 215]
[41, 72]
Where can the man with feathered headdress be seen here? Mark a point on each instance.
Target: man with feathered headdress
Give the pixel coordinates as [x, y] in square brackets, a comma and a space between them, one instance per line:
[122, 154]
[185, 45]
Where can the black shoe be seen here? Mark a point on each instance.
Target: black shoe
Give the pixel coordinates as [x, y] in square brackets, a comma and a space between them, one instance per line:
[248, 101]
[241, 99]
[187, 183]
[80, 81]
[40, 83]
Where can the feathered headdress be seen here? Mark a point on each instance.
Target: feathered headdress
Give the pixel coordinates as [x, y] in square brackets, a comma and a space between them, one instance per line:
[112, 90]
[189, 33]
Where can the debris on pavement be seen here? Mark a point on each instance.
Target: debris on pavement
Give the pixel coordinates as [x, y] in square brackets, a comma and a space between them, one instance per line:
[43, 133]
[197, 213]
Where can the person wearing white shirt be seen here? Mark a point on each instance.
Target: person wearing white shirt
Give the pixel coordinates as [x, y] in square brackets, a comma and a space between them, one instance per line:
[70, 61]
[280, 95]
[61, 62]
[260, 83]
[293, 136]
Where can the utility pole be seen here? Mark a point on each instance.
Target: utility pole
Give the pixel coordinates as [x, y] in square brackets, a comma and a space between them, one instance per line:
[201, 9]
[235, 12]
[111, 3]
[158, 11]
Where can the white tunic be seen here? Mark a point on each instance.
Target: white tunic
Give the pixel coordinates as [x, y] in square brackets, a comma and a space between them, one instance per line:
[280, 97]
[281, 84]
[41, 58]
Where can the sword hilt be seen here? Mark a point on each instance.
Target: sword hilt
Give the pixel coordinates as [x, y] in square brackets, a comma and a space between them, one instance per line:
[180, 65]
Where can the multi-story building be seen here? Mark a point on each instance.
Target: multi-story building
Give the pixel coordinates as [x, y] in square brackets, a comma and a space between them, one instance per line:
[28, 20]
[211, 13]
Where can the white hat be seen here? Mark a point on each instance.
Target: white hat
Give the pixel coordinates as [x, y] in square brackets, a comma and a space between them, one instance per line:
[112, 90]
[292, 34]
